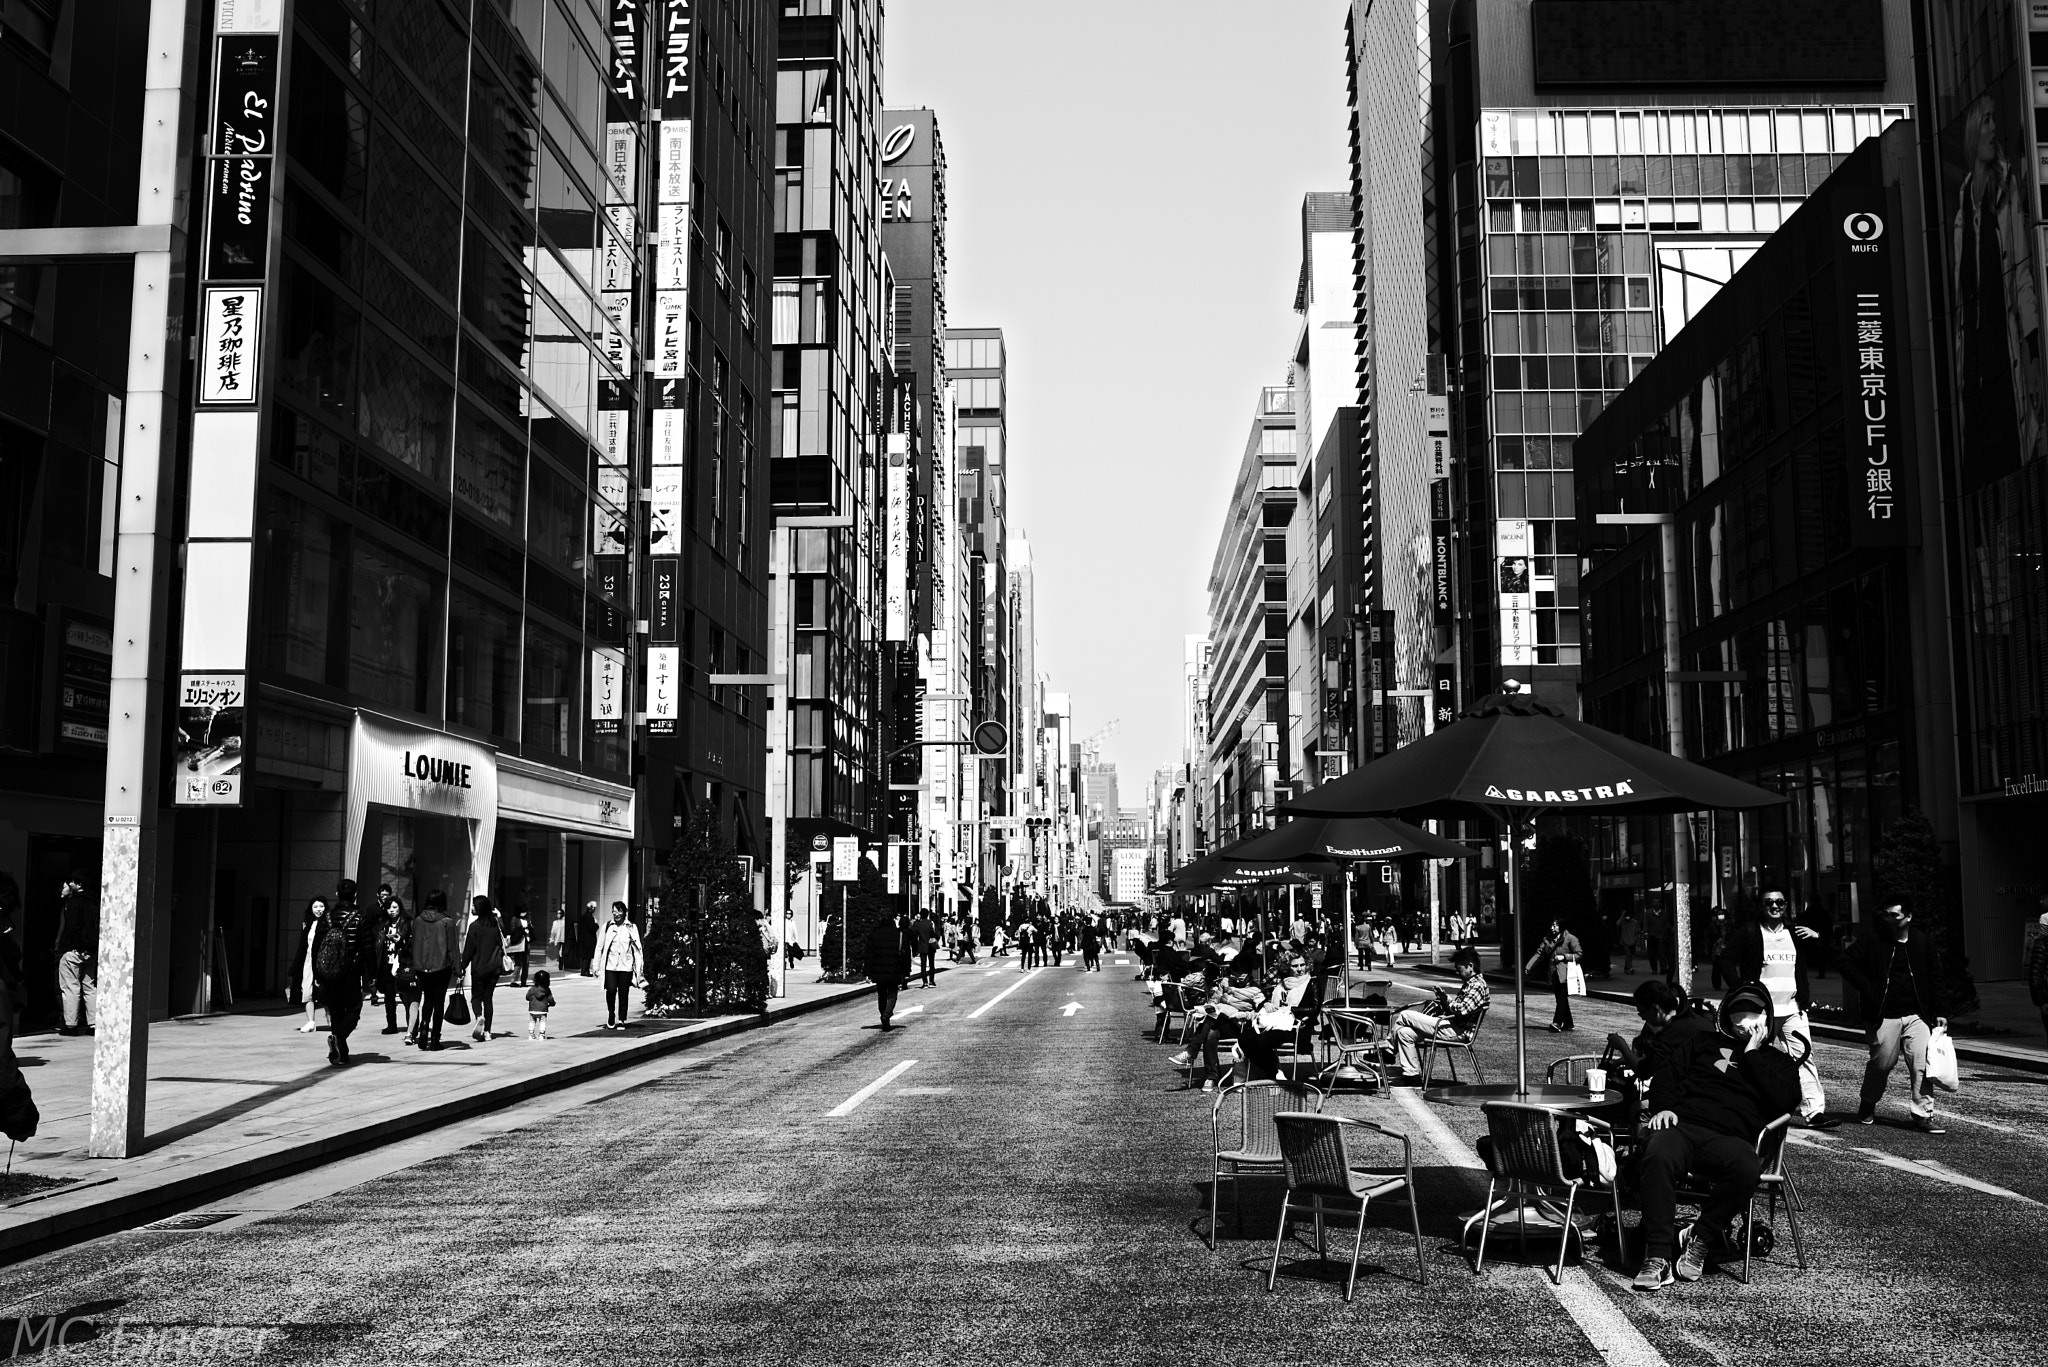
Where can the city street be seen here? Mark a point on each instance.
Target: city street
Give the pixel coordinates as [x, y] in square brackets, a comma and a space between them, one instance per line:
[1015, 1175]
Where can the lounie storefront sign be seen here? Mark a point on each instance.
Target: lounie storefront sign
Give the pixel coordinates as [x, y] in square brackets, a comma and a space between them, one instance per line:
[410, 769]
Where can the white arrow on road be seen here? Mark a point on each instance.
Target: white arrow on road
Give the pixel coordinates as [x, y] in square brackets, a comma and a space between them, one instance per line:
[1069, 1009]
[911, 1010]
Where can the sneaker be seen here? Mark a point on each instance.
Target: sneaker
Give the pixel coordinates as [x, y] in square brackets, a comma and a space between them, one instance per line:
[1866, 1117]
[1555, 1028]
[1927, 1124]
[1179, 1060]
[1692, 1259]
[1655, 1275]
[1208, 1084]
[1823, 1121]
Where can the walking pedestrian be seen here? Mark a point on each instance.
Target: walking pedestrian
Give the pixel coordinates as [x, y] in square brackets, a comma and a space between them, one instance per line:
[1558, 952]
[926, 941]
[78, 948]
[586, 938]
[302, 967]
[394, 930]
[1091, 948]
[1767, 952]
[888, 958]
[539, 1001]
[343, 943]
[2037, 966]
[1721, 949]
[1628, 932]
[434, 950]
[517, 946]
[558, 928]
[618, 956]
[483, 956]
[1898, 981]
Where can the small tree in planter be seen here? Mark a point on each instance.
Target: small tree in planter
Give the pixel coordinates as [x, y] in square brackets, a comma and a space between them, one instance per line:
[843, 946]
[723, 937]
[1908, 866]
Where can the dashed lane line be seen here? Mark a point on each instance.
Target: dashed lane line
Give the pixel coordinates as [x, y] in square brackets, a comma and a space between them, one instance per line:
[1612, 1333]
[1004, 993]
[852, 1103]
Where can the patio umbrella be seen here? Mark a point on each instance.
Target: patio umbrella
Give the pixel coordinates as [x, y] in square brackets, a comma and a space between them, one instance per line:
[1344, 840]
[1510, 757]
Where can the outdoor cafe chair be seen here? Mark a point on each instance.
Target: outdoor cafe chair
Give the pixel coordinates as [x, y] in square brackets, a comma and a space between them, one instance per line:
[1317, 1160]
[1354, 1038]
[1525, 1165]
[1176, 1000]
[1250, 1143]
[1574, 1067]
[1450, 1045]
[1775, 1184]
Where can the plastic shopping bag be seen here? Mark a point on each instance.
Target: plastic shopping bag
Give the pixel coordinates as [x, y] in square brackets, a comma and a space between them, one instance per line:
[1574, 980]
[1941, 1061]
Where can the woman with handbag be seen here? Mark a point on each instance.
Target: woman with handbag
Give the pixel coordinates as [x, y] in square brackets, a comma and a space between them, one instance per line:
[483, 955]
[1561, 953]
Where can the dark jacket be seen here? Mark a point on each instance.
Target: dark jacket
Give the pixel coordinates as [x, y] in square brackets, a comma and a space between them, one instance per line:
[434, 939]
[889, 953]
[1711, 1082]
[483, 953]
[1749, 959]
[347, 920]
[1654, 1049]
[1868, 968]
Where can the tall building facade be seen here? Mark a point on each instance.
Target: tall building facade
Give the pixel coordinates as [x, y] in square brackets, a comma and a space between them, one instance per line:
[977, 365]
[1547, 188]
[827, 481]
[1247, 697]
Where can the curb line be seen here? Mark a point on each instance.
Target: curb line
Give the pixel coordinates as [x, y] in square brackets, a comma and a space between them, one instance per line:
[121, 1211]
[1966, 1049]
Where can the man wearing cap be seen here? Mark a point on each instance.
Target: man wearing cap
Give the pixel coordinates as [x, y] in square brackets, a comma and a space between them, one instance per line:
[1767, 952]
[1898, 984]
[1711, 1098]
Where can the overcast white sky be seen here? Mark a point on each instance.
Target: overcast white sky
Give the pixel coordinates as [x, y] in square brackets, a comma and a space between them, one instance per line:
[1124, 199]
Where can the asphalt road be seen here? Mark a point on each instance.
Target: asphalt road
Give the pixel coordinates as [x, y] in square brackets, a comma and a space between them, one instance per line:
[1023, 1186]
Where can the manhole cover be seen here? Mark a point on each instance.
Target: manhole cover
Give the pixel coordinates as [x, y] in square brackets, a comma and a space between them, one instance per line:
[192, 1219]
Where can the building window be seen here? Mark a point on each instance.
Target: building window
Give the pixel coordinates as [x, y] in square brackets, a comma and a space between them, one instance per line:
[550, 695]
[394, 628]
[483, 663]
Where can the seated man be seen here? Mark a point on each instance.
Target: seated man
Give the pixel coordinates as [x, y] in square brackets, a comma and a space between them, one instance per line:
[1668, 1022]
[1227, 1015]
[1451, 1014]
[1709, 1099]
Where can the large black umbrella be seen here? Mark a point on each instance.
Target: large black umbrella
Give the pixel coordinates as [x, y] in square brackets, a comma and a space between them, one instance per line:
[1510, 757]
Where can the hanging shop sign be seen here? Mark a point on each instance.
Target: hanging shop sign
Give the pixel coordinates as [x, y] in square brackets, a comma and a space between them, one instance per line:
[607, 692]
[1440, 608]
[664, 689]
[846, 859]
[665, 613]
[206, 770]
[238, 176]
[896, 584]
[230, 319]
[1881, 479]
[1443, 687]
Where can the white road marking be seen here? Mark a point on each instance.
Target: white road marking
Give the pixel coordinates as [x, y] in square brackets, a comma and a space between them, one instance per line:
[993, 971]
[848, 1106]
[911, 1010]
[1941, 1172]
[1605, 1326]
[1004, 993]
[1069, 1009]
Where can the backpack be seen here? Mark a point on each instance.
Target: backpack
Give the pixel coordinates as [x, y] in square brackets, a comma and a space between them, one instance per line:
[331, 956]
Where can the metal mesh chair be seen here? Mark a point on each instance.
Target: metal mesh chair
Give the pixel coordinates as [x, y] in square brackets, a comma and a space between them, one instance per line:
[1316, 1156]
[1251, 1145]
[1450, 1045]
[1174, 1000]
[1354, 1039]
[1574, 1067]
[1774, 1184]
[1525, 1164]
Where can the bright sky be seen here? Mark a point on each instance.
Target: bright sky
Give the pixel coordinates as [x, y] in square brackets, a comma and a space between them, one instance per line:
[1124, 187]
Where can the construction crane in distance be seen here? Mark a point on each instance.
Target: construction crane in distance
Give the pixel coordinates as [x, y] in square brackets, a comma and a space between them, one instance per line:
[1091, 748]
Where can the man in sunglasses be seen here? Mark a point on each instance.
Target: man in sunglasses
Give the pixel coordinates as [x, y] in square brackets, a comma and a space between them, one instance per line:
[1767, 952]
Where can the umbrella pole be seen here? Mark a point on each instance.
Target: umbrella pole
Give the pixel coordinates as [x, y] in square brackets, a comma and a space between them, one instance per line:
[1521, 987]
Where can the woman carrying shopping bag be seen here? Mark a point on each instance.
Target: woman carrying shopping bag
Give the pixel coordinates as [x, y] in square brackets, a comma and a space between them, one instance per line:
[1560, 953]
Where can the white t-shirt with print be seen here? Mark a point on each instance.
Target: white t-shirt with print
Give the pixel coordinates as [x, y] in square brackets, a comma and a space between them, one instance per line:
[1781, 970]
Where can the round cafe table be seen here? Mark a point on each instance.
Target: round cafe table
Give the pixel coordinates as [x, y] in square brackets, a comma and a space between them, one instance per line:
[1557, 1096]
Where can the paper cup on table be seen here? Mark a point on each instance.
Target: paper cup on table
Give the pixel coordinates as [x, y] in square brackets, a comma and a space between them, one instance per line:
[1596, 1081]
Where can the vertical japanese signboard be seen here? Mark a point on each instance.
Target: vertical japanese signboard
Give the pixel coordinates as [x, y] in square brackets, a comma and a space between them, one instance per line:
[669, 327]
[1441, 610]
[207, 768]
[1443, 702]
[607, 692]
[1517, 594]
[241, 150]
[1880, 477]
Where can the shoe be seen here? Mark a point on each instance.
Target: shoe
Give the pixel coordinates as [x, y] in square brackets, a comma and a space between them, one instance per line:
[610, 1024]
[306, 1029]
[1654, 1276]
[1208, 1084]
[477, 1036]
[1692, 1259]
[1866, 1117]
[1179, 1060]
[1824, 1121]
[392, 1029]
[1927, 1124]
[1555, 1028]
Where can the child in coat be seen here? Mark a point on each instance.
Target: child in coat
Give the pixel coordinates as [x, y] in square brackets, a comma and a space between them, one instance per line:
[539, 1001]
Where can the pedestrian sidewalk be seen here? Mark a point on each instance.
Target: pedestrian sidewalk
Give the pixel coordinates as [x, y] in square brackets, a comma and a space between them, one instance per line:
[2001, 1005]
[237, 1097]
